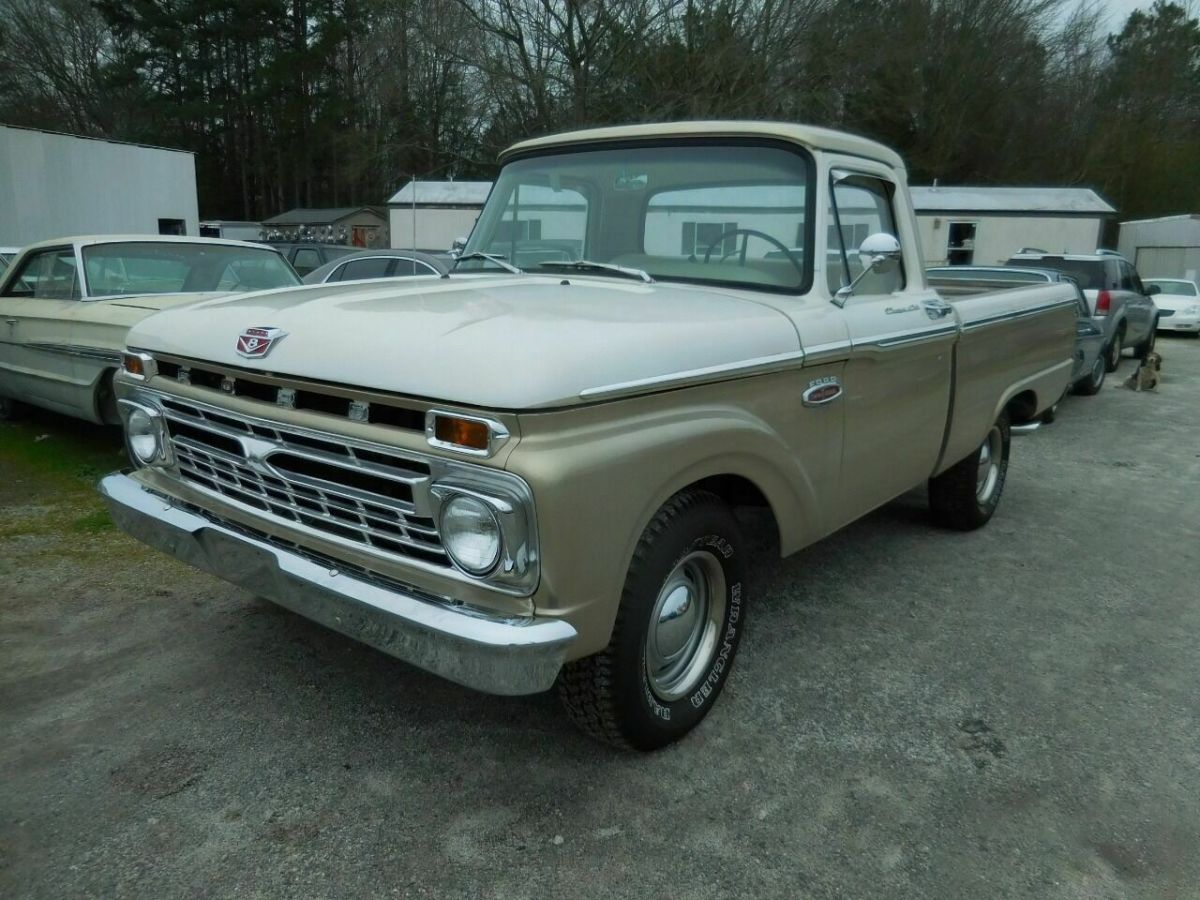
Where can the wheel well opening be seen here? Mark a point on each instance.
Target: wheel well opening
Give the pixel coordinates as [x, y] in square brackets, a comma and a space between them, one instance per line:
[743, 493]
[1022, 408]
[106, 399]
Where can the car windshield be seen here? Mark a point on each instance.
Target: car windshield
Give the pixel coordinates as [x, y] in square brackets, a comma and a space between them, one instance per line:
[1178, 288]
[153, 267]
[735, 214]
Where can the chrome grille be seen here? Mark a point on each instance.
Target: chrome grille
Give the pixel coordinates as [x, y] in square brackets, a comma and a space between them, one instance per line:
[367, 496]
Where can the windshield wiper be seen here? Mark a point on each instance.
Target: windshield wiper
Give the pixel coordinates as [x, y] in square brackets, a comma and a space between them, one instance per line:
[587, 265]
[479, 254]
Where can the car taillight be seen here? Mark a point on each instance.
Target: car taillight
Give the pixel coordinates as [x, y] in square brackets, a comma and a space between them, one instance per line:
[1103, 302]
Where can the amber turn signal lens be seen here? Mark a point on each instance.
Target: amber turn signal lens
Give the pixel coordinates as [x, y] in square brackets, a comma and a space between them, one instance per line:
[462, 432]
[133, 364]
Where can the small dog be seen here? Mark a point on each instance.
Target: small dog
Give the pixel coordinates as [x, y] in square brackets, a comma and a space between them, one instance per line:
[1148, 374]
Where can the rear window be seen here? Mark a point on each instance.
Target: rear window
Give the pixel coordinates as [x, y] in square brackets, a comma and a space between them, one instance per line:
[1089, 273]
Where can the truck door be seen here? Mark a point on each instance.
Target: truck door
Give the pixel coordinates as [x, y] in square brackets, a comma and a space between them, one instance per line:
[898, 375]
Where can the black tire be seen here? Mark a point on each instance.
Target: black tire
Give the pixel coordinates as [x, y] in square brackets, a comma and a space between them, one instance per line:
[1140, 351]
[964, 497]
[1090, 386]
[693, 542]
[1052, 413]
[106, 401]
[1112, 353]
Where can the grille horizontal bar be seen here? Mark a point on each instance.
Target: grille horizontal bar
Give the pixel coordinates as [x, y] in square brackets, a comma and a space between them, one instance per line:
[366, 496]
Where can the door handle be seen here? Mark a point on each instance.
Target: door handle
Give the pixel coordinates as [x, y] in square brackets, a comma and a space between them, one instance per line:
[937, 309]
[11, 321]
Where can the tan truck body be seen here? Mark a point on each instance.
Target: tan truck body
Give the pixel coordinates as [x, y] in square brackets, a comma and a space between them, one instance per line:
[608, 397]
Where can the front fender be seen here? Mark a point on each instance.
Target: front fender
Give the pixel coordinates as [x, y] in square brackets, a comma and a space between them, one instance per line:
[599, 474]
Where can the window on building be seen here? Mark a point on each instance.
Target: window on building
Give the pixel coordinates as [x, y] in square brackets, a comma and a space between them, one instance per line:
[172, 226]
[699, 238]
[960, 243]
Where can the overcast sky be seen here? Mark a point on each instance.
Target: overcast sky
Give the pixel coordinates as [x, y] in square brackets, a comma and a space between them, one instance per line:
[1117, 11]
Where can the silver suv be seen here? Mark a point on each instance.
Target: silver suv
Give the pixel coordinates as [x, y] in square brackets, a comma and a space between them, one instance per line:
[1114, 293]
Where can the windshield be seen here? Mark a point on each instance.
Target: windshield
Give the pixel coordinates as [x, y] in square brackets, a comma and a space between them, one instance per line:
[733, 214]
[1178, 288]
[153, 267]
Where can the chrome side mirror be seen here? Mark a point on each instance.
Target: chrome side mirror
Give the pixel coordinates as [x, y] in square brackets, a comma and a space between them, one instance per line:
[457, 247]
[877, 253]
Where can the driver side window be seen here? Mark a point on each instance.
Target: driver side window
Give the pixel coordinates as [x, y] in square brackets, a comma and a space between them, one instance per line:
[49, 275]
[861, 206]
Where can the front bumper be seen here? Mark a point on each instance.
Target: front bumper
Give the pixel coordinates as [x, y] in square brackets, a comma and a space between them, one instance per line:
[517, 655]
[1179, 323]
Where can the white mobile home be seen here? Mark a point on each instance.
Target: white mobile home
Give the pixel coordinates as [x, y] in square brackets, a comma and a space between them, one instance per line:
[1168, 247]
[984, 226]
[54, 185]
[431, 215]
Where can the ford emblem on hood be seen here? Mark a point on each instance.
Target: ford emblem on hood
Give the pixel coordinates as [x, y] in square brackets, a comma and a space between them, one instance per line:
[255, 343]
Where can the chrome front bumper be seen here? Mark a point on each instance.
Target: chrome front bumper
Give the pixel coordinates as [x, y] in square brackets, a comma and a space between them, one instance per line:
[498, 655]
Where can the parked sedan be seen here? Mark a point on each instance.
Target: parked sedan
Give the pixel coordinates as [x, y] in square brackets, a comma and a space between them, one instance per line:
[66, 306]
[1178, 302]
[379, 264]
[1089, 369]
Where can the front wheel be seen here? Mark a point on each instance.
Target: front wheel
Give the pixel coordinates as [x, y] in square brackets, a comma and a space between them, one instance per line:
[676, 634]
[1112, 356]
[966, 495]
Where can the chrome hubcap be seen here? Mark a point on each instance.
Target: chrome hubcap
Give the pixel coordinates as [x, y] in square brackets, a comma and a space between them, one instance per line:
[685, 624]
[988, 471]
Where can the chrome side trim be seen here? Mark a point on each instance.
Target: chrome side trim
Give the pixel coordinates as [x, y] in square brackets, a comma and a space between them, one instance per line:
[1019, 314]
[825, 353]
[100, 353]
[757, 366]
[904, 338]
[492, 653]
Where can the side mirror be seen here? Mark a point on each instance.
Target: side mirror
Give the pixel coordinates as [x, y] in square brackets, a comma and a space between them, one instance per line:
[878, 252]
[457, 247]
[1152, 289]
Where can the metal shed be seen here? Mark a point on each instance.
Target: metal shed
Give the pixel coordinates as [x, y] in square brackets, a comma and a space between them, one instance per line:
[57, 185]
[1167, 247]
[430, 215]
[985, 225]
[361, 226]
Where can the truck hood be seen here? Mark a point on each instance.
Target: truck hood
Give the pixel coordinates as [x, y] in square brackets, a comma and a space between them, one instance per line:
[156, 302]
[502, 342]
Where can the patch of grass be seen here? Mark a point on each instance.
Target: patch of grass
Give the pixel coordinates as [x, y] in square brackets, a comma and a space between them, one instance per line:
[93, 523]
[69, 452]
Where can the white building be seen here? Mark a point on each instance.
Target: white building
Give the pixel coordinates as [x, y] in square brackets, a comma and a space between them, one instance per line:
[56, 185]
[430, 215]
[984, 226]
[1168, 247]
[231, 230]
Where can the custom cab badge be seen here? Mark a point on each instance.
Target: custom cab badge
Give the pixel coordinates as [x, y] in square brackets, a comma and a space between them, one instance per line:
[255, 343]
[822, 391]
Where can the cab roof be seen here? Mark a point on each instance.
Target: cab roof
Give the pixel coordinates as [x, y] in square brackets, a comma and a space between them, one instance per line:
[807, 136]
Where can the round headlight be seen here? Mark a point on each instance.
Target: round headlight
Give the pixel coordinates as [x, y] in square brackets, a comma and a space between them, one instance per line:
[471, 534]
[142, 434]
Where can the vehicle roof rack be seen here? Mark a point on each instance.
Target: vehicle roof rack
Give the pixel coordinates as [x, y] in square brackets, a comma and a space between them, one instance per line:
[1102, 251]
[1032, 250]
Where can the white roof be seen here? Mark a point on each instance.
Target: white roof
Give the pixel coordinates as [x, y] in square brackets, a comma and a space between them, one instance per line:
[1009, 199]
[1185, 217]
[443, 193]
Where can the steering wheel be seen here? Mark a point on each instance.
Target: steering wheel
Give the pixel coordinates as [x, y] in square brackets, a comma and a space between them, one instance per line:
[748, 233]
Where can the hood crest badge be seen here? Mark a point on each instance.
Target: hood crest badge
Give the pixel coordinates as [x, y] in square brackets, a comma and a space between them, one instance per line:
[255, 343]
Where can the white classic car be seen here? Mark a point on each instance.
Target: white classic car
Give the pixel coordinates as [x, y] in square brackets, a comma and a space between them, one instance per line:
[66, 306]
[1178, 302]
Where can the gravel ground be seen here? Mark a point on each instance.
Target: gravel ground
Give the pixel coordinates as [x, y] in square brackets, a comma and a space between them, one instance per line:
[914, 713]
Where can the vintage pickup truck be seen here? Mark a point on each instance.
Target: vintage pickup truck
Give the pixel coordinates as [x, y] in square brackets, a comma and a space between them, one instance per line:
[524, 473]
